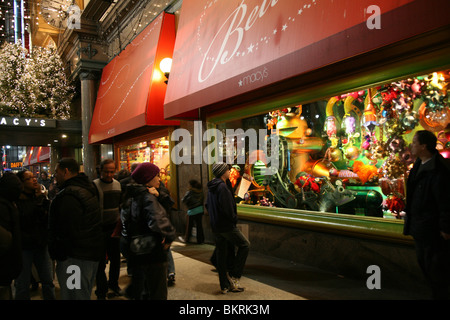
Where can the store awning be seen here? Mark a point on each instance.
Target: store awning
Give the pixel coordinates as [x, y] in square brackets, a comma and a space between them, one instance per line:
[44, 154]
[234, 48]
[34, 152]
[132, 87]
[37, 155]
[26, 159]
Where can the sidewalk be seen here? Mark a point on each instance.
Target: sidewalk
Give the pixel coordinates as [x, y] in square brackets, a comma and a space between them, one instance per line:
[265, 278]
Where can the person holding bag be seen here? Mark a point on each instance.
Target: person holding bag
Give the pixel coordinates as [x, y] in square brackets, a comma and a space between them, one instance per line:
[148, 232]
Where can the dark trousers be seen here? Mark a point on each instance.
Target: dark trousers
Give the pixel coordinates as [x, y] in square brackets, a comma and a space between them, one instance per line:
[112, 253]
[196, 219]
[223, 240]
[434, 260]
[149, 281]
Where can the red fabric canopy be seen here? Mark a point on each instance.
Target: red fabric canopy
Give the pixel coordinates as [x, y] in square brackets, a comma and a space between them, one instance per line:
[44, 154]
[132, 88]
[34, 152]
[26, 160]
[36, 155]
[229, 48]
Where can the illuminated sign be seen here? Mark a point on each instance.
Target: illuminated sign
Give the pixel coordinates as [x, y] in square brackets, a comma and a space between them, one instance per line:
[15, 165]
[27, 122]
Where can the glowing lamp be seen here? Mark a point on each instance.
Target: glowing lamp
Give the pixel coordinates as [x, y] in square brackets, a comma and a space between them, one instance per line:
[165, 65]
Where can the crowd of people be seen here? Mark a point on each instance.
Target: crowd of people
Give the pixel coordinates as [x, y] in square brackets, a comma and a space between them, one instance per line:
[70, 227]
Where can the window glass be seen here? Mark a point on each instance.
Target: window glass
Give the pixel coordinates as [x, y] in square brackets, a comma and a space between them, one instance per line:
[155, 151]
[347, 154]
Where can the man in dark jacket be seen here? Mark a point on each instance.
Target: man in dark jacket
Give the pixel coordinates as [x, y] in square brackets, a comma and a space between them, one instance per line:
[223, 218]
[75, 232]
[428, 212]
[10, 241]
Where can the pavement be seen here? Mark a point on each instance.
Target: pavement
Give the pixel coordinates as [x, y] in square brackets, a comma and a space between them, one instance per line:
[265, 278]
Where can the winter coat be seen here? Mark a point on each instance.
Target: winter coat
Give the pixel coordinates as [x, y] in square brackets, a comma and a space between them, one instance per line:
[221, 206]
[427, 202]
[143, 214]
[10, 245]
[193, 198]
[33, 212]
[75, 226]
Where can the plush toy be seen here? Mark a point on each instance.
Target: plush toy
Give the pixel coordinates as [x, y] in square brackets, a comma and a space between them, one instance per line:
[307, 182]
[235, 174]
[396, 205]
[365, 172]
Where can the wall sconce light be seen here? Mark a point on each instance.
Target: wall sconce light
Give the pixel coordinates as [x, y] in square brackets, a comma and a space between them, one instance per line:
[165, 65]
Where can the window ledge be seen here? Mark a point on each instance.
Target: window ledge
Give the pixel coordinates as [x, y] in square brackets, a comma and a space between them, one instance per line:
[390, 230]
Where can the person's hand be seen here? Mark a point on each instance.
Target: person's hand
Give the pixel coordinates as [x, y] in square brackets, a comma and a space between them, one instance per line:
[444, 235]
[166, 246]
[41, 191]
[153, 191]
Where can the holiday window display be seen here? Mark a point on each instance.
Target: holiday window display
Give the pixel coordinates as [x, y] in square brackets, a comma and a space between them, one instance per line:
[350, 154]
[154, 151]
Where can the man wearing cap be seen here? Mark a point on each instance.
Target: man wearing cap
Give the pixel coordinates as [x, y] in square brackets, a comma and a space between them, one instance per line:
[223, 217]
[142, 214]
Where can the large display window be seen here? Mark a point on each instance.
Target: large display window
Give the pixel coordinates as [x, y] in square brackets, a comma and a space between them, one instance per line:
[155, 151]
[346, 154]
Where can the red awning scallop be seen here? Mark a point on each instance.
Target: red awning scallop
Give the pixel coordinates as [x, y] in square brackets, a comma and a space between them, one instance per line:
[132, 89]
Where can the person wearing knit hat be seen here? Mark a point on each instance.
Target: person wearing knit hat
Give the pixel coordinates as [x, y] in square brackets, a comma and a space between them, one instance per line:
[145, 172]
[219, 169]
[143, 214]
[223, 218]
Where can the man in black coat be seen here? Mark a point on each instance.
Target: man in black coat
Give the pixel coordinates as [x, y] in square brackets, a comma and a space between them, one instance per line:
[10, 240]
[223, 218]
[75, 232]
[428, 212]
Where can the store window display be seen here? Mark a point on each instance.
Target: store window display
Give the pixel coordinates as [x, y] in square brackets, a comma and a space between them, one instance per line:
[155, 151]
[347, 154]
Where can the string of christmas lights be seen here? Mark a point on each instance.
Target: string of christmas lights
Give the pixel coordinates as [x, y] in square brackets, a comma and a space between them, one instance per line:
[33, 84]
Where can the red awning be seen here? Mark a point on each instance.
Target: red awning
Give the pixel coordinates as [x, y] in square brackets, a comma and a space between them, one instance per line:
[230, 48]
[44, 154]
[34, 153]
[132, 88]
[26, 160]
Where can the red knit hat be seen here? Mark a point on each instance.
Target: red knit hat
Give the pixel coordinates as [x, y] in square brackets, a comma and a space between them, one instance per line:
[145, 172]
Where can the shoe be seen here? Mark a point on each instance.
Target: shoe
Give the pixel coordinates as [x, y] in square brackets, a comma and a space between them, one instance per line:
[235, 285]
[116, 289]
[224, 291]
[171, 279]
[181, 239]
